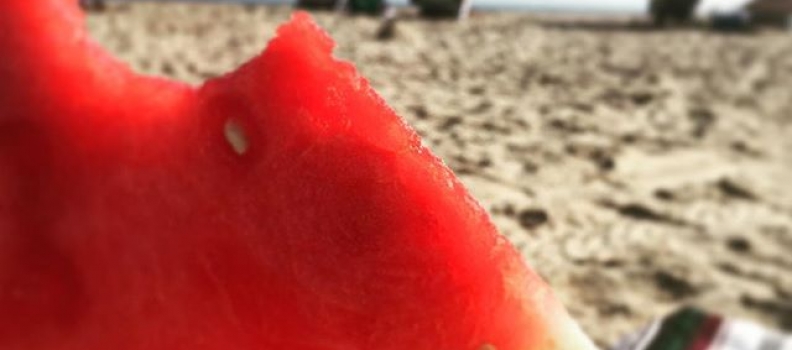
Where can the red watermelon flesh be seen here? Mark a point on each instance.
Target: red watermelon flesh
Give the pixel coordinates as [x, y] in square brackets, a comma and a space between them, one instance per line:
[282, 206]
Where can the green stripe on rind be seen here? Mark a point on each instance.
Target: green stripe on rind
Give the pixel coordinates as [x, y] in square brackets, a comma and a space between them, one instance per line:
[678, 330]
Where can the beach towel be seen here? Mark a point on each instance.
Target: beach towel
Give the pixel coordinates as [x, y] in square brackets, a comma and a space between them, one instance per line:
[693, 329]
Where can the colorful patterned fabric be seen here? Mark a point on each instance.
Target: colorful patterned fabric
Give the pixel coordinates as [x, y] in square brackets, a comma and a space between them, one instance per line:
[693, 329]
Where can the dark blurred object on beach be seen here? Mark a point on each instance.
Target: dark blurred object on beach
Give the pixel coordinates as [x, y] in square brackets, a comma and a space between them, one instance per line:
[677, 11]
[369, 7]
[387, 29]
[758, 13]
[737, 21]
[771, 12]
[317, 4]
[93, 5]
[443, 8]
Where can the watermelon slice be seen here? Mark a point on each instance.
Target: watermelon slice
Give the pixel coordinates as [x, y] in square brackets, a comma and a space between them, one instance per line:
[282, 206]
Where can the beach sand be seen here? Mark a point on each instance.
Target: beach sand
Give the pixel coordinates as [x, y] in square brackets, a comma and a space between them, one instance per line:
[636, 170]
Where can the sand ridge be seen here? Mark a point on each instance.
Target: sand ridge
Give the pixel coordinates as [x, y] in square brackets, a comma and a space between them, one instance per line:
[636, 170]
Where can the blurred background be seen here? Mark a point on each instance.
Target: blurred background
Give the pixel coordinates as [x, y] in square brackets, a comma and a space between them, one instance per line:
[638, 154]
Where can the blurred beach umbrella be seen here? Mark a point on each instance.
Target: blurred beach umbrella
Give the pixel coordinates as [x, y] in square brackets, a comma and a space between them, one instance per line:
[679, 11]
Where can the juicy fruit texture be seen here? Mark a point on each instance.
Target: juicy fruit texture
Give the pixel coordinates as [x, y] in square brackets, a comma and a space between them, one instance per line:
[282, 206]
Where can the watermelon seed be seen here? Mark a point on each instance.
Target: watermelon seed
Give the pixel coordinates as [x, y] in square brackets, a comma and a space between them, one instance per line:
[235, 135]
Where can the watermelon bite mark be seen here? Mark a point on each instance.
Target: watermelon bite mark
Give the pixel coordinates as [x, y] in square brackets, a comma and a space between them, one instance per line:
[283, 205]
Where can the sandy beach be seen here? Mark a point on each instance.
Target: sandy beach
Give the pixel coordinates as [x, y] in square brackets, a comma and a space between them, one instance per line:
[636, 170]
